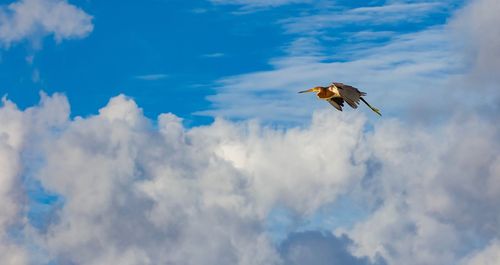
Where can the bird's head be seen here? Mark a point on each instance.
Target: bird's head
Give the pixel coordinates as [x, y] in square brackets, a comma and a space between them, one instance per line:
[314, 89]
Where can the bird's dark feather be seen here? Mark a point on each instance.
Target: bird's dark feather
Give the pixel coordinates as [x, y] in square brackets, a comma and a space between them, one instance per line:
[350, 94]
[338, 103]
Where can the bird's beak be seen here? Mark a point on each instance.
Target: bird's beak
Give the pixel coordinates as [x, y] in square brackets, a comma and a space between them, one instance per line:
[309, 90]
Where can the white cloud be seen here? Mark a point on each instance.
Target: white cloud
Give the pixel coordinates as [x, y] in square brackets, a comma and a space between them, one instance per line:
[11, 140]
[34, 19]
[476, 30]
[141, 193]
[434, 194]
[172, 195]
[14, 138]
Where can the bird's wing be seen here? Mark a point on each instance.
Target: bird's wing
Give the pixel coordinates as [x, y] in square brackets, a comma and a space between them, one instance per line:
[338, 103]
[350, 94]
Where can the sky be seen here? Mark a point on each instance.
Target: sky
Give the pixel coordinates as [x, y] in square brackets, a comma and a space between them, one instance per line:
[171, 132]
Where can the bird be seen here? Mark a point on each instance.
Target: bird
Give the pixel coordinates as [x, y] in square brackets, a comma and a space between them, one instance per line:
[338, 93]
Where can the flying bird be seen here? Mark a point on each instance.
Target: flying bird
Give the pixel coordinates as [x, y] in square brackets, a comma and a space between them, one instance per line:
[337, 93]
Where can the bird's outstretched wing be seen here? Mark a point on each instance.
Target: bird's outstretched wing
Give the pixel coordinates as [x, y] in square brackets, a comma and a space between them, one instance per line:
[338, 103]
[350, 94]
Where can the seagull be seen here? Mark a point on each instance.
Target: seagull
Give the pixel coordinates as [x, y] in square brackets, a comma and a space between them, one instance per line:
[337, 93]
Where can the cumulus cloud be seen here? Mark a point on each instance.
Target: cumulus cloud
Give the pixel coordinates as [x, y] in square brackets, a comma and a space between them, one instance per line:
[11, 140]
[142, 192]
[436, 189]
[35, 19]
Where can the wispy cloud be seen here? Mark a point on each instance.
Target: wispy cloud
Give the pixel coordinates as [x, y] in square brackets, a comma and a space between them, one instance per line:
[398, 69]
[151, 77]
[214, 55]
[253, 4]
[382, 62]
[199, 10]
[375, 15]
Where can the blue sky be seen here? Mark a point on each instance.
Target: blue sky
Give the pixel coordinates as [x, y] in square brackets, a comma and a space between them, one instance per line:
[182, 46]
[170, 132]
[163, 53]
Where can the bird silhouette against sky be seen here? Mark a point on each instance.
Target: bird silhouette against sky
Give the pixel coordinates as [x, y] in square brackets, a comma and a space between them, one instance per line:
[338, 93]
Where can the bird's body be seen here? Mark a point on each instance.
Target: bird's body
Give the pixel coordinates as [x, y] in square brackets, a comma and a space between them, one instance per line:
[338, 93]
[327, 93]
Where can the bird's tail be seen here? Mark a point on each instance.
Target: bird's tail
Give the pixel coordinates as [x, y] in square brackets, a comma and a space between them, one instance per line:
[370, 106]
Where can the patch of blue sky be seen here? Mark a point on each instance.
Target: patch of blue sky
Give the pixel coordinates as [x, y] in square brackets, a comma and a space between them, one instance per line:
[40, 212]
[280, 222]
[343, 213]
[43, 205]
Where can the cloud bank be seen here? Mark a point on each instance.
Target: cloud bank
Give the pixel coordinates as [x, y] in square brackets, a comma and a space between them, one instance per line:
[35, 19]
[136, 191]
